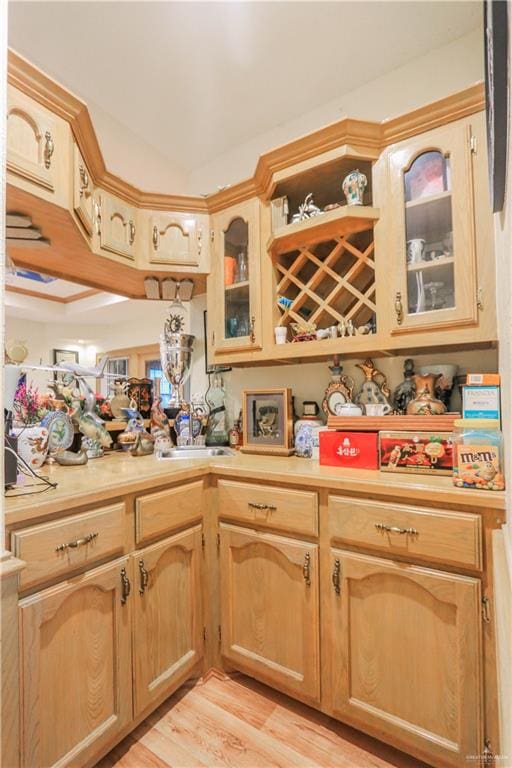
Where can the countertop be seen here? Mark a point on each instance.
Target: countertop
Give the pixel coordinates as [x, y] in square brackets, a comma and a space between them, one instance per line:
[119, 474]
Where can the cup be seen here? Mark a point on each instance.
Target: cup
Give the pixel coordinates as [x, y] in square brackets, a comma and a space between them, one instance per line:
[281, 332]
[229, 270]
[377, 409]
[415, 250]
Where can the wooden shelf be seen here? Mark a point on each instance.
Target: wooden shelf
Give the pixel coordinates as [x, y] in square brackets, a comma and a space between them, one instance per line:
[237, 286]
[425, 266]
[341, 221]
[442, 423]
[428, 199]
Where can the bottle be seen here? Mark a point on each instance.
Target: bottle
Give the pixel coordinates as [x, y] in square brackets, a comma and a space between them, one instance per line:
[242, 271]
[216, 430]
[234, 435]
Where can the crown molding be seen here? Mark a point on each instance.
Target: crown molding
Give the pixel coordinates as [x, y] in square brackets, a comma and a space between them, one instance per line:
[359, 136]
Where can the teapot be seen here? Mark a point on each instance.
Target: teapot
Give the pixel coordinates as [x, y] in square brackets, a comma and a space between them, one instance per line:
[349, 409]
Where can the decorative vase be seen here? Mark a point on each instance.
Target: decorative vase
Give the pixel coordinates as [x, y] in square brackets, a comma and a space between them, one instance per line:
[444, 384]
[32, 444]
[354, 186]
[425, 402]
[415, 250]
[406, 390]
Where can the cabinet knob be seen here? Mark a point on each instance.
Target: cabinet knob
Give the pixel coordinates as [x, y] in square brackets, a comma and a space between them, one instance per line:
[84, 180]
[384, 528]
[125, 586]
[336, 574]
[131, 232]
[144, 577]
[252, 334]
[156, 238]
[77, 542]
[306, 569]
[49, 148]
[399, 310]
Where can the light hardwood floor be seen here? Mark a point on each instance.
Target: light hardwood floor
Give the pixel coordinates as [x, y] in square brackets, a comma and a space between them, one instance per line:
[240, 723]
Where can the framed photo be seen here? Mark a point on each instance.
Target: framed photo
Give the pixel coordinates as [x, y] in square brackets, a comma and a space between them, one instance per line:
[268, 421]
[211, 368]
[496, 44]
[63, 356]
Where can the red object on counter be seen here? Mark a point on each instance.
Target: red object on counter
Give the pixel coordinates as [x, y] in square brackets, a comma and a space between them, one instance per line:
[354, 450]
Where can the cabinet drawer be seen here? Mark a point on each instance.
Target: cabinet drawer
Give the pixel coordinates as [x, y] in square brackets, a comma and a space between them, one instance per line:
[158, 513]
[57, 548]
[287, 510]
[454, 538]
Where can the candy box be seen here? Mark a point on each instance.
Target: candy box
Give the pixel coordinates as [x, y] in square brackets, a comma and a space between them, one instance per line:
[355, 450]
[478, 466]
[417, 452]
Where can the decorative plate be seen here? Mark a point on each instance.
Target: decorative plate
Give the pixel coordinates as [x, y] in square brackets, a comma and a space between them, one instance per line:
[60, 430]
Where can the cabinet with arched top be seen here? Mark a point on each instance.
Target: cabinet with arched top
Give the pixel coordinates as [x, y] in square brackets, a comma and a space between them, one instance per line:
[234, 287]
[435, 247]
[115, 225]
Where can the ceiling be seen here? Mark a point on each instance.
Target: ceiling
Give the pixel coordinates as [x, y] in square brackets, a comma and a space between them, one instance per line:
[195, 79]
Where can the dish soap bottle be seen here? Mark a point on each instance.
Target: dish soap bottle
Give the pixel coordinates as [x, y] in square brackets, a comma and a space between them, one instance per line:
[216, 430]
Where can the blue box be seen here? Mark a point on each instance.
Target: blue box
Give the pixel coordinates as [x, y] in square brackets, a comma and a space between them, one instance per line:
[481, 402]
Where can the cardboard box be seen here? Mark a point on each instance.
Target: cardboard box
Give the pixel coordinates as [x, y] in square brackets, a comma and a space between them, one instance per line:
[483, 379]
[481, 402]
[354, 450]
[417, 452]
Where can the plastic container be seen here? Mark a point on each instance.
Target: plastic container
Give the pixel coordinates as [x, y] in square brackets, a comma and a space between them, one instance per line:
[478, 454]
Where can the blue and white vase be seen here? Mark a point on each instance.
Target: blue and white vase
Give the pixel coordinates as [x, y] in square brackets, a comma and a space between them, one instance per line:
[354, 186]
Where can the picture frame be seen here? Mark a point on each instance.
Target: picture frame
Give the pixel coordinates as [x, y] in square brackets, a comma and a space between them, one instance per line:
[268, 421]
[63, 356]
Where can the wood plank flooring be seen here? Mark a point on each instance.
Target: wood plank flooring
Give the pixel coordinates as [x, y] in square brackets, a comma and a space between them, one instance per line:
[239, 723]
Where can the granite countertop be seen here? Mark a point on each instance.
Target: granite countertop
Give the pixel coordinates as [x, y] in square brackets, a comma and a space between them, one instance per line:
[118, 474]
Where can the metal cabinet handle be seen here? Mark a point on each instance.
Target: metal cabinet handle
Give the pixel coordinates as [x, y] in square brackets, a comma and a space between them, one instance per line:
[131, 232]
[97, 216]
[125, 586]
[395, 529]
[257, 505]
[252, 334]
[336, 574]
[77, 543]
[399, 310]
[306, 569]
[49, 148]
[84, 180]
[156, 238]
[144, 577]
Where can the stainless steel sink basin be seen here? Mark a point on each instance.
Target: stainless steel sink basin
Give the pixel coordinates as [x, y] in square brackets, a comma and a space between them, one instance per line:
[193, 452]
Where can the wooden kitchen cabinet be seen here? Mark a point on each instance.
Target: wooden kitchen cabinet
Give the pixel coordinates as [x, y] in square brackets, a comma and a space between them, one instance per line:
[83, 191]
[178, 240]
[269, 609]
[407, 658]
[115, 224]
[75, 665]
[167, 620]
[432, 261]
[234, 286]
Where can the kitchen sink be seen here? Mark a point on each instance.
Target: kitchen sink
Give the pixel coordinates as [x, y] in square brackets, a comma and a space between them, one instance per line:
[193, 452]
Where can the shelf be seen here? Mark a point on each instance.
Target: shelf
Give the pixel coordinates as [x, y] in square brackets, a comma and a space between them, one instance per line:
[430, 217]
[427, 266]
[428, 199]
[237, 286]
[341, 221]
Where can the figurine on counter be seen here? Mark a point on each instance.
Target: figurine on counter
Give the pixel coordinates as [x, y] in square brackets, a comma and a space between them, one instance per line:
[120, 399]
[306, 210]
[159, 428]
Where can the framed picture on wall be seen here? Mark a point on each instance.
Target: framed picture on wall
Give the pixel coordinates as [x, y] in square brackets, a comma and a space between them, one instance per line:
[63, 356]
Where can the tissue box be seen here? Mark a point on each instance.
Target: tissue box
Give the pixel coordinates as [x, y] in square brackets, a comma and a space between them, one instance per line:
[353, 450]
[417, 452]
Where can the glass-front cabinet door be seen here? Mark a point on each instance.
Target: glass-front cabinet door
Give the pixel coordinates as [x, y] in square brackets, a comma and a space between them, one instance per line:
[433, 246]
[237, 308]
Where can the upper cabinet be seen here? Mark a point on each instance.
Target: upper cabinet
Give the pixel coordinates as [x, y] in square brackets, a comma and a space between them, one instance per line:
[178, 240]
[235, 285]
[433, 266]
[82, 191]
[115, 225]
[38, 145]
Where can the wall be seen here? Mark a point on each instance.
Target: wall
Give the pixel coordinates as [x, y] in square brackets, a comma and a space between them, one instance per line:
[428, 78]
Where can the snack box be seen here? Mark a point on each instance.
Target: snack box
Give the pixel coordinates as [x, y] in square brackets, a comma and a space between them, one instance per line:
[423, 453]
[481, 402]
[353, 450]
[482, 379]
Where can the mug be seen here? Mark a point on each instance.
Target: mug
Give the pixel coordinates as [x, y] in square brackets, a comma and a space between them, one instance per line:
[377, 409]
[415, 250]
[280, 332]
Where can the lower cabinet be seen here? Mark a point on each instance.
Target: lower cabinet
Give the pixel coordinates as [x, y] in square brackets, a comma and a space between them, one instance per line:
[167, 625]
[407, 655]
[76, 667]
[269, 608]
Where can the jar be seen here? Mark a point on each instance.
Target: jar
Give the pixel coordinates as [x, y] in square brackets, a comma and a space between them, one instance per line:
[478, 454]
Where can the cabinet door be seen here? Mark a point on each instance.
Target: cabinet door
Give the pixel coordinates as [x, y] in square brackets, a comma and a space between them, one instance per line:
[176, 239]
[168, 637]
[235, 312]
[31, 148]
[116, 225]
[82, 191]
[432, 254]
[269, 608]
[75, 657]
[407, 655]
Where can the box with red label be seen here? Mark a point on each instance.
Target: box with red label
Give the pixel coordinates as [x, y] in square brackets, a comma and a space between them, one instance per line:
[353, 450]
[418, 452]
